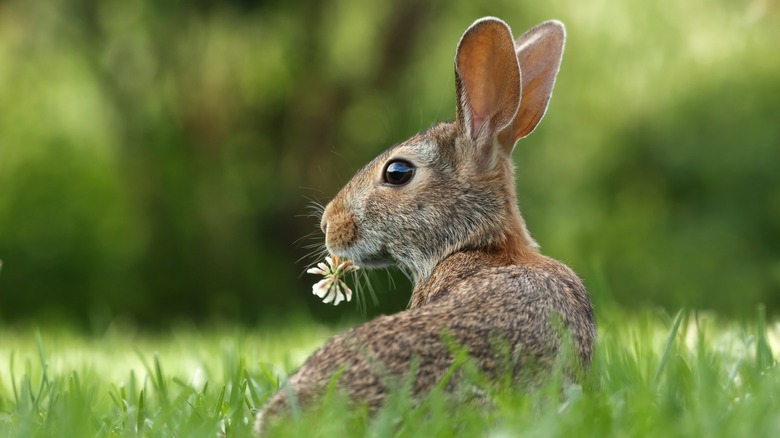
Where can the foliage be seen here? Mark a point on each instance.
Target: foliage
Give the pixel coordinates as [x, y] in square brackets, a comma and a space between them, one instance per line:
[691, 376]
[156, 157]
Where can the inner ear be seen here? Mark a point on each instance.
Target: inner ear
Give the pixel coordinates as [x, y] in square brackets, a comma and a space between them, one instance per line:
[487, 79]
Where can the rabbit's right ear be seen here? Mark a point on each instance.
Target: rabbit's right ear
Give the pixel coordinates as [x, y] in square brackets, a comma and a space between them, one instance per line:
[487, 81]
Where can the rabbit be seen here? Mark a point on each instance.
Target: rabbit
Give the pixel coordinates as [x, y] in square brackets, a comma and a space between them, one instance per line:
[442, 206]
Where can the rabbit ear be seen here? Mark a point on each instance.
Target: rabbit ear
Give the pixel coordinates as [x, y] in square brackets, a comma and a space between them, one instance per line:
[539, 52]
[487, 80]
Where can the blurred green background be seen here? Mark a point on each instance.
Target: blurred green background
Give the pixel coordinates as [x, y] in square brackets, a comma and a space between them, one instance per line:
[157, 158]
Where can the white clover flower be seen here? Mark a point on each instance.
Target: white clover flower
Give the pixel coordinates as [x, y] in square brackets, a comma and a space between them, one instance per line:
[332, 288]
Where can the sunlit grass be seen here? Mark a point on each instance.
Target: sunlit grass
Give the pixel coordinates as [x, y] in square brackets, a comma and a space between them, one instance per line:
[689, 375]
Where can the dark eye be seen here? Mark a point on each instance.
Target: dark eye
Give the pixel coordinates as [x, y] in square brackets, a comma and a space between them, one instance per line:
[398, 172]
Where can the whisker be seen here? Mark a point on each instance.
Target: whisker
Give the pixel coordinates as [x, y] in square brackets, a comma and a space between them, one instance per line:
[317, 217]
[315, 241]
[371, 290]
[408, 274]
[314, 257]
[311, 189]
[311, 258]
[312, 235]
[390, 279]
[314, 204]
[314, 246]
[360, 301]
[313, 214]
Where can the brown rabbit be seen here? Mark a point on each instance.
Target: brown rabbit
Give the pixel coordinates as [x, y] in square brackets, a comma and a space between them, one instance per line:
[442, 206]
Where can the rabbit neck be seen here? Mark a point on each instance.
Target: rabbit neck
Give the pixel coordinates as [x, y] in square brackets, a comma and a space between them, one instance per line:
[513, 246]
[516, 241]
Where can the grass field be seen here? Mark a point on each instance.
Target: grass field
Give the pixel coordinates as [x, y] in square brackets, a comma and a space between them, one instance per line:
[654, 375]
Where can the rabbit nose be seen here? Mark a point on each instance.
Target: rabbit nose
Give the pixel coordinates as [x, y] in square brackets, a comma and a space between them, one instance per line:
[326, 213]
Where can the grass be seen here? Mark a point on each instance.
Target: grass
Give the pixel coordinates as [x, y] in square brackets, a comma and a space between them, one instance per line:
[691, 375]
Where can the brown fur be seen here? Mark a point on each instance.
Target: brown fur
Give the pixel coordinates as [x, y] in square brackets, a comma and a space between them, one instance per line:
[479, 278]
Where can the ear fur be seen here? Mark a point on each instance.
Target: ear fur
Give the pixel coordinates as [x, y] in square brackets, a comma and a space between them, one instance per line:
[487, 78]
[539, 52]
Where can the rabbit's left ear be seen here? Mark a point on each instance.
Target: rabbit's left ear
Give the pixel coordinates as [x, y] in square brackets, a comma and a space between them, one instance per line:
[539, 52]
[487, 81]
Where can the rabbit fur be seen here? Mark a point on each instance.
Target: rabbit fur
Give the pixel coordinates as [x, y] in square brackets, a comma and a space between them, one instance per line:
[456, 227]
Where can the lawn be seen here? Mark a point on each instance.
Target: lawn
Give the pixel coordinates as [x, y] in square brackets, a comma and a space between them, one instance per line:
[692, 374]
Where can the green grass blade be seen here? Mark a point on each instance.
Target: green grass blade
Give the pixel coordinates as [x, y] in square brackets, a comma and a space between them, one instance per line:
[159, 382]
[668, 346]
[764, 358]
[252, 390]
[218, 405]
[13, 377]
[44, 385]
[140, 413]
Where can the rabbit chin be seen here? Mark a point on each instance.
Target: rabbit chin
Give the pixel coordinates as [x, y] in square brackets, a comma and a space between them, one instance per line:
[366, 259]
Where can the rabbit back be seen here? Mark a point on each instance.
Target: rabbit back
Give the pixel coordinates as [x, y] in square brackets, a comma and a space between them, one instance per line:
[524, 308]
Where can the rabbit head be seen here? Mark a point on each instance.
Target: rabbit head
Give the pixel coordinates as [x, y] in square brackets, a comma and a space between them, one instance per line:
[451, 188]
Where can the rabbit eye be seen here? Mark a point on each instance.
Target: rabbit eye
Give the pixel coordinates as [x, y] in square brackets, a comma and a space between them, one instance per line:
[398, 172]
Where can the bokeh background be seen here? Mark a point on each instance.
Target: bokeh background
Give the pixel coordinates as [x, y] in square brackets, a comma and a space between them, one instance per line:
[157, 158]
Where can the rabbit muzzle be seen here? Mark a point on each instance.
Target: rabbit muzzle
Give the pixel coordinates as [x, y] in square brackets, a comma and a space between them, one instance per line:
[343, 238]
[341, 231]
[339, 227]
